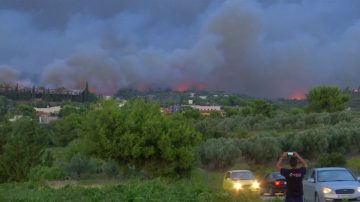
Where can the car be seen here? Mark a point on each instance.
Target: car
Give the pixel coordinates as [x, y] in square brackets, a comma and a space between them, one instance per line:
[331, 184]
[241, 181]
[273, 183]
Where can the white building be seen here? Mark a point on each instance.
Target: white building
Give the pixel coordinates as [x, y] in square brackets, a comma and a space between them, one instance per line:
[206, 110]
[47, 115]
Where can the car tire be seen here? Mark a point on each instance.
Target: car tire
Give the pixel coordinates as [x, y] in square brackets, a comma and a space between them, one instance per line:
[317, 199]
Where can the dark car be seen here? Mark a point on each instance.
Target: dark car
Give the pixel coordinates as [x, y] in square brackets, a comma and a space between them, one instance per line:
[273, 183]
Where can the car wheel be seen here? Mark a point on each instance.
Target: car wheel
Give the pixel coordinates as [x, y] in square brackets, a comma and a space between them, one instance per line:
[317, 198]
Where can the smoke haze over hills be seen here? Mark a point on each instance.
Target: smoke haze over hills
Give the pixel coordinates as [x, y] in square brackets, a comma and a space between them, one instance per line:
[267, 48]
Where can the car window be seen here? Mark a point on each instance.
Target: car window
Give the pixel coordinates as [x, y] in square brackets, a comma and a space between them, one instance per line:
[277, 176]
[335, 175]
[242, 176]
[309, 174]
[313, 175]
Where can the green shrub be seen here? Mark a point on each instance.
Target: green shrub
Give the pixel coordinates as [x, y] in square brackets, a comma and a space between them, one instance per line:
[354, 165]
[310, 143]
[40, 173]
[139, 134]
[80, 166]
[219, 153]
[261, 148]
[110, 168]
[22, 151]
[331, 160]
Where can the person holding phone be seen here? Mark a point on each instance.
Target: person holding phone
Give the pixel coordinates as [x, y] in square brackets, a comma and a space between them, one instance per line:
[293, 175]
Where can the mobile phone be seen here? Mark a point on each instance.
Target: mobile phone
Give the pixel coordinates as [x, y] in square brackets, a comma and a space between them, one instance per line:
[290, 153]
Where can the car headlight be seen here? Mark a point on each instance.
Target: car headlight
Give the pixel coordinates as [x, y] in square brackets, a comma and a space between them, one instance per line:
[358, 189]
[255, 185]
[326, 190]
[237, 186]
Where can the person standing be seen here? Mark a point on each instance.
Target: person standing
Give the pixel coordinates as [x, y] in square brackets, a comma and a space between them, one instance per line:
[293, 175]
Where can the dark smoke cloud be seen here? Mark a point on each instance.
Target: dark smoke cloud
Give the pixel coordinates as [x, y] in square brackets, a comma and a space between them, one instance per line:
[8, 75]
[266, 48]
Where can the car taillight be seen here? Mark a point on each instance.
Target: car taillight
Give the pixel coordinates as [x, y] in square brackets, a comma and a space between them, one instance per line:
[277, 183]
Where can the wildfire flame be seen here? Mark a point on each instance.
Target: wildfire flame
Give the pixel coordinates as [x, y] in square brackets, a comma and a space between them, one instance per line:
[297, 95]
[188, 86]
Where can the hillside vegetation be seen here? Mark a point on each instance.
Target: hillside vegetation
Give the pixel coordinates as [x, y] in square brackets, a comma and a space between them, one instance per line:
[136, 152]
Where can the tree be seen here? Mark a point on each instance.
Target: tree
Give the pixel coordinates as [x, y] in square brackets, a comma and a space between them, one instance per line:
[23, 150]
[263, 107]
[261, 148]
[139, 134]
[25, 110]
[310, 143]
[331, 160]
[259, 107]
[4, 107]
[219, 153]
[192, 114]
[69, 109]
[79, 166]
[66, 130]
[327, 99]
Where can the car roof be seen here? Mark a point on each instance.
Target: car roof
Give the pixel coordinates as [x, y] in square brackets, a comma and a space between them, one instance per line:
[330, 168]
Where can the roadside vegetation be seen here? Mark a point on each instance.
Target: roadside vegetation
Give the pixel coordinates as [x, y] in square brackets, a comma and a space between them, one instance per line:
[135, 152]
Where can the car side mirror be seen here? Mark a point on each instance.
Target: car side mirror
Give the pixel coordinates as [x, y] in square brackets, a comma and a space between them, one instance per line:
[311, 180]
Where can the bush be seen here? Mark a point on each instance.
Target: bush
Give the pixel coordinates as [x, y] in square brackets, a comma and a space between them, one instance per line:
[110, 168]
[139, 134]
[354, 165]
[331, 160]
[22, 151]
[261, 148]
[40, 173]
[219, 153]
[339, 140]
[310, 143]
[327, 99]
[80, 166]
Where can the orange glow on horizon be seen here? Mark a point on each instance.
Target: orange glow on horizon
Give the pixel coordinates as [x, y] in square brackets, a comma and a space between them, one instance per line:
[183, 87]
[297, 95]
[188, 86]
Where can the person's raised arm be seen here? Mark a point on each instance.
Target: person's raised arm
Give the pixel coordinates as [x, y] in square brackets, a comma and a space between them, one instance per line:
[279, 164]
[301, 159]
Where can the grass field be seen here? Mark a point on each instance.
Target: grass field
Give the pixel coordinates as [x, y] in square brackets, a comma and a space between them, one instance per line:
[202, 186]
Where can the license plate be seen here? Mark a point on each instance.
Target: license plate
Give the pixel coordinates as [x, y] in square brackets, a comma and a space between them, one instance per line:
[344, 195]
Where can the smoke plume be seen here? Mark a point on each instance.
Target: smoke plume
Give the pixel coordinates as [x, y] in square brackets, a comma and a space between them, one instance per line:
[267, 48]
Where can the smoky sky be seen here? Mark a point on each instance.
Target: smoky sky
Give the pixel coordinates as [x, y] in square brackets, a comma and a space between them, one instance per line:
[265, 48]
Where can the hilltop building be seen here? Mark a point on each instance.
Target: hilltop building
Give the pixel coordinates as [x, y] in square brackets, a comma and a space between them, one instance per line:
[206, 110]
[47, 115]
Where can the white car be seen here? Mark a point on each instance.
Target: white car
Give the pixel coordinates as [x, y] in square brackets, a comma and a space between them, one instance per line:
[331, 184]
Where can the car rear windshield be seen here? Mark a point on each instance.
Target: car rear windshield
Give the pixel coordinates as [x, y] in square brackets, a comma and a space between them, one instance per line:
[335, 175]
[277, 176]
[242, 176]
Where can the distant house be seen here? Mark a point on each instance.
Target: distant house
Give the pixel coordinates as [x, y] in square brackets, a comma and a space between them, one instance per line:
[47, 119]
[15, 118]
[48, 110]
[204, 97]
[206, 110]
[47, 115]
